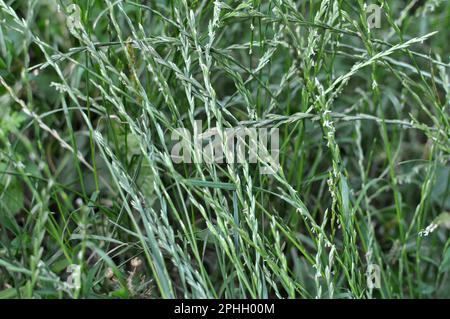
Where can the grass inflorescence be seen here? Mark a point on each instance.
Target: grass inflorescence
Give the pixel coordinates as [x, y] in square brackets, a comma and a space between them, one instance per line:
[92, 203]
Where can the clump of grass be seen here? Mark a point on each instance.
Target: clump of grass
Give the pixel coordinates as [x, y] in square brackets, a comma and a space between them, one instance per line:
[92, 205]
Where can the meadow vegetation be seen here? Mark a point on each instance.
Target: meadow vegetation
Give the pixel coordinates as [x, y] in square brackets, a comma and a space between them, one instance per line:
[93, 206]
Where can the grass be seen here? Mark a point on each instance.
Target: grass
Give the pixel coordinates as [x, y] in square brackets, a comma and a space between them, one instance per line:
[92, 91]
